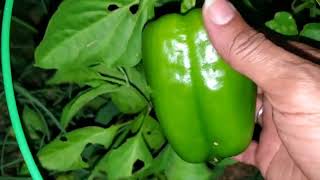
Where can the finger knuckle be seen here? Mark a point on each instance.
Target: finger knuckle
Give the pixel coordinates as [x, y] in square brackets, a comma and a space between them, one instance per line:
[247, 44]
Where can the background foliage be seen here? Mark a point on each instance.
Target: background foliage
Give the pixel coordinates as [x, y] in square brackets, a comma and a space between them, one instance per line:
[82, 93]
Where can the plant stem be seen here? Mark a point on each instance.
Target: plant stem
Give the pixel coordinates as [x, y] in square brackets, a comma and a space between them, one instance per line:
[126, 78]
[2, 152]
[26, 72]
[12, 163]
[113, 80]
[41, 142]
[14, 178]
[8, 143]
[44, 121]
[34, 100]
[24, 24]
[1, 95]
[302, 6]
[44, 6]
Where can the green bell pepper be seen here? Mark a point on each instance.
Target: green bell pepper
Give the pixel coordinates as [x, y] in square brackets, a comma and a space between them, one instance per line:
[205, 108]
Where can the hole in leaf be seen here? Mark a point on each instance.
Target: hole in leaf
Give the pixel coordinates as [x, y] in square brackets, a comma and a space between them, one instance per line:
[148, 132]
[87, 152]
[113, 7]
[63, 138]
[137, 165]
[134, 8]
[84, 159]
[94, 65]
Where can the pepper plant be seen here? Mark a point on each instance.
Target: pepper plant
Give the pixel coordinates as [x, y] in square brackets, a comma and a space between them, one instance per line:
[89, 99]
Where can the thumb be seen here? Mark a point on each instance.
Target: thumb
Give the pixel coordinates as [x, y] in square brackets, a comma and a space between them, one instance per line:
[246, 50]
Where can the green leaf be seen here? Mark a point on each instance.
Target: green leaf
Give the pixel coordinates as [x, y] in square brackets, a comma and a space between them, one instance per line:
[158, 165]
[72, 74]
[98, 102]
[104, 69]
[121, 136]
[283, 23]
[174, 168]
[180, 170]
[152, 133]
[107, 113]
[34, 123]
[249, 4]
[87, 32]
[186, 5]
[81, 100]
[23, 171]
[128, 100]
[137, 77]
[64, 153]
[94, 83]
[138, 121]
[119, 163]
[82, 75]
[81, 174]
[312, 31]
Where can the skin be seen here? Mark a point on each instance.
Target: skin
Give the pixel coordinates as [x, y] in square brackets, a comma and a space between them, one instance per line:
[288, 92]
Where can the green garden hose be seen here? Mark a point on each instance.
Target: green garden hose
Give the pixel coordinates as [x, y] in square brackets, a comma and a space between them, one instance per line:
[8, 87]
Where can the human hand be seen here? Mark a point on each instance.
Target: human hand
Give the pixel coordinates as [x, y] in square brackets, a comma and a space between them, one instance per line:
[289, 92]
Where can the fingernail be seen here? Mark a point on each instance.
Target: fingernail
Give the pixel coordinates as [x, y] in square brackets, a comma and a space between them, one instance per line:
[220, 12]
